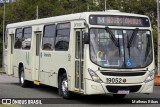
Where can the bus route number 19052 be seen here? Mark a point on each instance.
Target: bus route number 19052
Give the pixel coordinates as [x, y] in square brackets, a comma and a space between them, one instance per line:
[115, 80]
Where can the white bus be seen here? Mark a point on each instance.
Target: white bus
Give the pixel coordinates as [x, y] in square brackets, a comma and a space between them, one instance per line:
[86, 53]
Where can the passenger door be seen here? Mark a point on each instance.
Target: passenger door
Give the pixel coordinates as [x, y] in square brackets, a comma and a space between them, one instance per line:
[79, 61]
[10, 54]
[37, 54]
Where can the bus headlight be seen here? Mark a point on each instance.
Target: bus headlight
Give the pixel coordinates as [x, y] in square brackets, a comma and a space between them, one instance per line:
[150, 76]
[94, 76]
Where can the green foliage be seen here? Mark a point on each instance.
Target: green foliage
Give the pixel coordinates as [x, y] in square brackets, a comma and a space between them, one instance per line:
[24, 10]
[155, 45]
[1, 48]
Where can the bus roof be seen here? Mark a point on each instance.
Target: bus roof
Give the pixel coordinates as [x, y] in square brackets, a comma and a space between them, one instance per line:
[65, 18]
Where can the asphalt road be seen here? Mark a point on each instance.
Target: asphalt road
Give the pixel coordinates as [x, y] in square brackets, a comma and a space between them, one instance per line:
[9, 88]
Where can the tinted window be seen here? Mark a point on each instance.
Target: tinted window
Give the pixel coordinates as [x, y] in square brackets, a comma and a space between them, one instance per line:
[62, 37]
[27, 35]
[48, 38]
[18, 38]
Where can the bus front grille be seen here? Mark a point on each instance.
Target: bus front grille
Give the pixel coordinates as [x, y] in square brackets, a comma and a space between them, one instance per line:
[114, 89]
[123, 73]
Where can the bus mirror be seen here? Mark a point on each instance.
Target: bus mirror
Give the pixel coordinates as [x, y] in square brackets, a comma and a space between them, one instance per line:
[86, 38]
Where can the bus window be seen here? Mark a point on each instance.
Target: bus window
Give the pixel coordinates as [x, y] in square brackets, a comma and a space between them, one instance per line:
[77, 44]
[26, 41]
[18, 38]
[48, 38]
[62, 37]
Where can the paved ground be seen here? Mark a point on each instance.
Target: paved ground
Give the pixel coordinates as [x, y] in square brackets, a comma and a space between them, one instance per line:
[9, 88]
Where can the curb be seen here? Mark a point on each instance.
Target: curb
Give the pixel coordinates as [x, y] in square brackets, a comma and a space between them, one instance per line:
[2, 72]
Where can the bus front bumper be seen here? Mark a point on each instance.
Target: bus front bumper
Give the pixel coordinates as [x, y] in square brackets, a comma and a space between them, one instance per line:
[103, 88]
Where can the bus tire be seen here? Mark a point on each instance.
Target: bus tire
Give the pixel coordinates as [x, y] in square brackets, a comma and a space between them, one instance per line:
[24, 83]
[119, 96]
[63, 87]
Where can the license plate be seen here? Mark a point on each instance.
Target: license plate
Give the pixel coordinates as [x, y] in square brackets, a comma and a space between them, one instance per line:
[123, 92]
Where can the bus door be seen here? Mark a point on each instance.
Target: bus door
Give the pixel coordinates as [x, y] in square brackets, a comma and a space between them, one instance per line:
[37, 54]
[79, 61]
[10, 54]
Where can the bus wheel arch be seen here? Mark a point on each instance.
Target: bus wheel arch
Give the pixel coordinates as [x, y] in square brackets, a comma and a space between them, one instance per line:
[63, 84]
[19, 67]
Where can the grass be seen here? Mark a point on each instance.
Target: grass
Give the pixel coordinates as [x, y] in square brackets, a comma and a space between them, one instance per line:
[1, 69]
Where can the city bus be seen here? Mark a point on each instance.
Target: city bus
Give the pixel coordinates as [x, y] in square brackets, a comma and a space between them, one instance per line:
[86, 53]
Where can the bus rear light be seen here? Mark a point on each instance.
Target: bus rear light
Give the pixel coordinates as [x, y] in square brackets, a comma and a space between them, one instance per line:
[94, 76]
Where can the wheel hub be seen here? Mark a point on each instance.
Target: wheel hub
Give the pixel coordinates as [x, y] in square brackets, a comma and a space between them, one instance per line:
[22, 77]
[64, 86]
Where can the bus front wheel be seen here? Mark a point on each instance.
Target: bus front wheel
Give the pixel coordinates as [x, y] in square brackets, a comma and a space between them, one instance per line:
[63, 86]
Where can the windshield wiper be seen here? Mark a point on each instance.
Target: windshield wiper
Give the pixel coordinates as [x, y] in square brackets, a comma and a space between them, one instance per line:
[131, 40]
[112, 36]
[132, 37]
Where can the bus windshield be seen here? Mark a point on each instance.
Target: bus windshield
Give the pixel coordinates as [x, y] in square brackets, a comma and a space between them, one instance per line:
[134, 49]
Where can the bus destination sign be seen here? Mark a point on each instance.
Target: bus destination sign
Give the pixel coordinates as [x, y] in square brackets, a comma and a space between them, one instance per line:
[119, 21]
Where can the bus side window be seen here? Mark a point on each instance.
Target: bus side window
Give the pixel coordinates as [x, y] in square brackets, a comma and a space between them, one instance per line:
[62, 37]
[48, 37]
[18, 39]
[27, 35]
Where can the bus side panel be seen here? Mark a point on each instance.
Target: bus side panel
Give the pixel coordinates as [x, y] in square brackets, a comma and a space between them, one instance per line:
[47, 68]
[22, 57]
[27, 64]
[17, 59]
[50, 63]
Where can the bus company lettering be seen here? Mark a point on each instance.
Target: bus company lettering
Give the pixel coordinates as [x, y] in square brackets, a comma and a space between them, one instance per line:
[77, 24]
[47, 54]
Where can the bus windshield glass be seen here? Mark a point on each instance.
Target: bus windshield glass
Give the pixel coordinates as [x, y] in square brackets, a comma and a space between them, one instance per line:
[105, 53]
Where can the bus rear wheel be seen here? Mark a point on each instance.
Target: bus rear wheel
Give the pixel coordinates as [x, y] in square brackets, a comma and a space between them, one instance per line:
[63, 86]
[22, 81]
